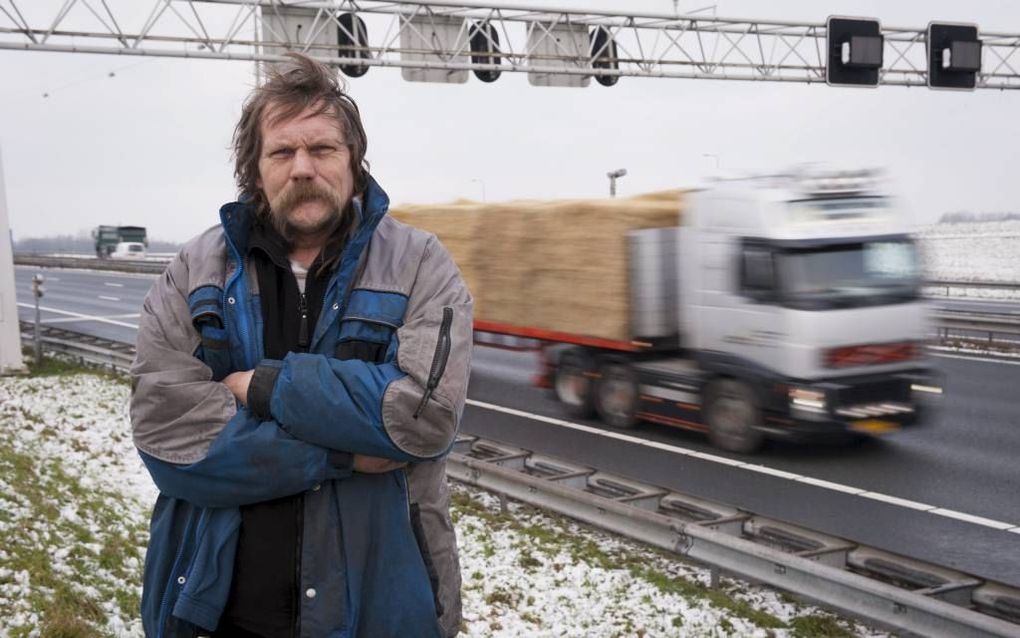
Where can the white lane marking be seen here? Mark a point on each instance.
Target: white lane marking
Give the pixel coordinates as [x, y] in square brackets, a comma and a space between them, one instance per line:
[899, 502]
[829, 485]
[771, 471]
[105, 298]
[978, 359]
[87, 271]
[82, 317]
[761, 469]
[722, 460]
[970, 518]
[113, 284]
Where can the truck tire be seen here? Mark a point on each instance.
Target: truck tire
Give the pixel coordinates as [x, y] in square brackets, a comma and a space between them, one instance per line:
[731, 413]
[617, 396]
[574, 385]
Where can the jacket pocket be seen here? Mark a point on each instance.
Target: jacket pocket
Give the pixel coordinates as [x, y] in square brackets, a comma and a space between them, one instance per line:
[206, 308]
[368, 325]
[364, 339]
[426, 556]
[439, 359]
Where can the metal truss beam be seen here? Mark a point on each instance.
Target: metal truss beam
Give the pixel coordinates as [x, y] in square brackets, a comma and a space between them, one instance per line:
[535, 40]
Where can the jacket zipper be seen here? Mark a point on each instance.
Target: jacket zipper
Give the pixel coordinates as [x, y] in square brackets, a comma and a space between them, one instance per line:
[303, 327]
[242, 313]
[439, 359]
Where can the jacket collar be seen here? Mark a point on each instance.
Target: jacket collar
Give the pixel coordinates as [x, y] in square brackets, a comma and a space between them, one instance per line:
[237, 217]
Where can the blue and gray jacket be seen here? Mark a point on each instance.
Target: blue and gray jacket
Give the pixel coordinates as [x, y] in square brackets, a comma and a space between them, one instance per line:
[386, 375]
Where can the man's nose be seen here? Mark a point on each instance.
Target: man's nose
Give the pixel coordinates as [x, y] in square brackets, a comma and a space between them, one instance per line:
[303, 166]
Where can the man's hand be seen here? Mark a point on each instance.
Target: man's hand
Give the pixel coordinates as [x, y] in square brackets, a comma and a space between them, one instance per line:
[238, 383]
[375, 464]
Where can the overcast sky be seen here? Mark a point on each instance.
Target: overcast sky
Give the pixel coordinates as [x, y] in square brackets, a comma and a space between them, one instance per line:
[149, 145]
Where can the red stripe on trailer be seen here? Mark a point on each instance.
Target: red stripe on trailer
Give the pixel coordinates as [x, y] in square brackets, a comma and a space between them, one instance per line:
[552, 335]
[675, 422]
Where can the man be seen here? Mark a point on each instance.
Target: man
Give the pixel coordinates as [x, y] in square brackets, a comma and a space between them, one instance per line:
[300, 375]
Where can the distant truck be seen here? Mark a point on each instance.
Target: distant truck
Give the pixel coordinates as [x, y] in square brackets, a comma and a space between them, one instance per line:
[107, 238]
[785, 306]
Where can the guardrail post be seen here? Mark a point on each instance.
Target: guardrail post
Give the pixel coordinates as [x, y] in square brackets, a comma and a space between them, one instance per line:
[37, 292]
[38, 337]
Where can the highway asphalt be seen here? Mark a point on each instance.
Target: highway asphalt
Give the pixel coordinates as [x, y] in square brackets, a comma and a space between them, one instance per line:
[880, 492]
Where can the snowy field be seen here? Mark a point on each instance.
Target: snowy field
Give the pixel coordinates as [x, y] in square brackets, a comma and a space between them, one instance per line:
[74, 503]
[979, 251]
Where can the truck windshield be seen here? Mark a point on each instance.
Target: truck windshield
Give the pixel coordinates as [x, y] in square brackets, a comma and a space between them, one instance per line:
[856, 274]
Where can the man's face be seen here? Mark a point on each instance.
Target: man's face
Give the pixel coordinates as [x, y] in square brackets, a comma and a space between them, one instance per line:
[305, 172]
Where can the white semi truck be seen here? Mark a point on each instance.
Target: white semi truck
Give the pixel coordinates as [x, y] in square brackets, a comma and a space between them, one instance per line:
[784, 306]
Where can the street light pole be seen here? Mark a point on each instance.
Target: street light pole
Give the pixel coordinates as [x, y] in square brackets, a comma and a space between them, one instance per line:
[613, 176]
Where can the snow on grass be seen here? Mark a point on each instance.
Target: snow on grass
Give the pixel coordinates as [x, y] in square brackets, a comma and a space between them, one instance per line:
[75, 500]
[529, 573]
[979, 251]
[71, 508]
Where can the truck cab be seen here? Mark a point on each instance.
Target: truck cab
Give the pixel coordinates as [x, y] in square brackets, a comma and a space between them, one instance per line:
[801, 294]
[785, 306]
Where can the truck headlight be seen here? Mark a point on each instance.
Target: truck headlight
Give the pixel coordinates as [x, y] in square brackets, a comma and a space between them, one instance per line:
[807, 401]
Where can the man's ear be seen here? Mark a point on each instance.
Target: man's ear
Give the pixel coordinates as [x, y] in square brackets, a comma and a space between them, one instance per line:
[258, 182]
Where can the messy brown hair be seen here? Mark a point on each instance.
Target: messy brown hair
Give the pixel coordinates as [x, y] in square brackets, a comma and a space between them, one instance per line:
[290, 88]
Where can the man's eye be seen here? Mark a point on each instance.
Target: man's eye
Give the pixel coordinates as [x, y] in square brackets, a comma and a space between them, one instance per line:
[281, 152]
[323, 149]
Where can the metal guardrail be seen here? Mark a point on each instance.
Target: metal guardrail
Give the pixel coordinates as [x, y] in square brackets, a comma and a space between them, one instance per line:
[864, 582]
[884, 588]
[91, 263]
[85, 348]
[949, 285]
[982, 330]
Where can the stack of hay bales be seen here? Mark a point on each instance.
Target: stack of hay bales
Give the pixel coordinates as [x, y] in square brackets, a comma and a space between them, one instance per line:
[556, 265]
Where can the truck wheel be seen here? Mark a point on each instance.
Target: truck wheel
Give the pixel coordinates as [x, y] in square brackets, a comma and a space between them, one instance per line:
[617, 396]
[731, 412]
[573, 384]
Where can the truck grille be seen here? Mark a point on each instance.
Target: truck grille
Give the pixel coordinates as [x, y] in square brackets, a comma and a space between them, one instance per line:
[894, 390]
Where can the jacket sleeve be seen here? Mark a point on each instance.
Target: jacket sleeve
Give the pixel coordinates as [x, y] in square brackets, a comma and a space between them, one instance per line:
[195, 442]
[408, 410]
[249, 462]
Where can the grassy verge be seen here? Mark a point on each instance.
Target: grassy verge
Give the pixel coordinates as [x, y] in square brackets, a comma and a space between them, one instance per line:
[68, 555]
[73, 544]
[542, 543]
[57, 366]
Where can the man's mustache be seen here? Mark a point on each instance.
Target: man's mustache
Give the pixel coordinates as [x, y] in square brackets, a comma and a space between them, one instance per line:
[304, 192]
